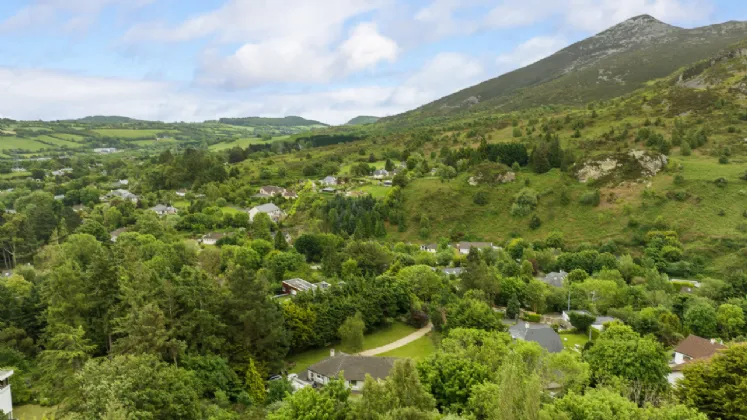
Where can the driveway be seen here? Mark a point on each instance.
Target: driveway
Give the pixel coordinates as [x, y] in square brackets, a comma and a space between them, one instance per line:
[399, 343]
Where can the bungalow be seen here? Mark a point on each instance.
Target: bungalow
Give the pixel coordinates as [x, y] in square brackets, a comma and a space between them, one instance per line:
[272, 190]
[541, 334]
[211, 238]
[691, 349]
[269, 209]
[290, 195]
[123, 194]
[453, 271]
[105, 150]
[163, 210]
[464, 247]
[181, 193]
[380, 174]
[115, 234]
[295, 286]
[6, 399]
[432, 248]
[353, 368]
[555, 278]
[329, 181]
[79, 208]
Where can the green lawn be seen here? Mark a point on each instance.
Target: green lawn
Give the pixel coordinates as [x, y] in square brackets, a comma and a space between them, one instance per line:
[243, 142]
[8, 143]
[376, 191]
[418, 349]
[571, 339]
[33, 412]
[126, 133]
[371, 341]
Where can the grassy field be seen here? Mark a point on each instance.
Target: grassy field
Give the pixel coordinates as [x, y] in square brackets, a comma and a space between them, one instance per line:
[33, 412]
[370, 341]
[145, 143]
[571, 339]
[243, 143]
[418, 349]
[12, 143]
[376, 191]
[124, 133]
[58, 142]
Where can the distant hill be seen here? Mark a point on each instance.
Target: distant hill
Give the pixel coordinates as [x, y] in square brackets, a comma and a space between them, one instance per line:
[289, 121]
[362, 119]
[106, 119]
[612, 63]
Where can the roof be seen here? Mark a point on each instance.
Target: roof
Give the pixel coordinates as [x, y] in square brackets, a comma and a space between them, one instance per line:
[429, 246]
[354, 368]
[273, 189]
[267, 208]
[601, 320]
[381, 172]
[453, 270]
[541, 334]
[555, 278]
[467, 245]
[5, 374]
[213, 235]
[697, 347]
[162, 207]
[289, 194]
[299, 284]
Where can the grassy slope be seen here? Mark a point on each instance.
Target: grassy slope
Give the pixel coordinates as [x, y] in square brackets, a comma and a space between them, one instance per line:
[418, 349]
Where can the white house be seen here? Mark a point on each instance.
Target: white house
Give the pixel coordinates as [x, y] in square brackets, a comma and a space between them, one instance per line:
[329, 180]
[123, 182]
[6, 399]
[290, 195]
[464, 247]
[354, 369]
[105, 150]
[62, 171]
[181, 193]
[163, 210]
[380, 174]
[691, 349]
[272, 190]
[432, 248]
[211, 238]
[123, 194]
[269, 209]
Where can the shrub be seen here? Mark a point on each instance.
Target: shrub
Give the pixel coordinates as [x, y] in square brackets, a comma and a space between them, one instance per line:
[721, 182]
[744, 176]
[686, 149]
[721, 212]
[525, 201]
[590, 198]
[723, 160]
[679, 179]
[581, 321]
[535, 222]
[530, 317]
[480, 198]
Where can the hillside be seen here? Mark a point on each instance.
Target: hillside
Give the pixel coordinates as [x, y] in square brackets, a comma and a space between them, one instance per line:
[289, 121]
[609, 64]
[106, 119]
[362, 120]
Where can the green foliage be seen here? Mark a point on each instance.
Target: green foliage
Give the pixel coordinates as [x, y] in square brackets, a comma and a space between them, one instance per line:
[590, 198]
[525, 201]
[581, 321]
[255, 385]
[351, 333]
[331, 403]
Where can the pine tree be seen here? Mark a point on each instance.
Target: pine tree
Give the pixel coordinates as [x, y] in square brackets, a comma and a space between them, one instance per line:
[280, 243]
[513, 308]
[254, 384]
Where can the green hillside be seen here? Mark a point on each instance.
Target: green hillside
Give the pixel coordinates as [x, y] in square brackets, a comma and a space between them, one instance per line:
[290, 121]
[362, 120]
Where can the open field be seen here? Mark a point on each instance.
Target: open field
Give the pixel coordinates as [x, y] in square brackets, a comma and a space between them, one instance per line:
[243, 143]
[370, 341]
[124, 133]
[418, 349]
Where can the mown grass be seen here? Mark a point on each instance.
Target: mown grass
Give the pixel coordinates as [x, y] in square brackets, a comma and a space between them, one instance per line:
[125, 133]
[394, 332]
[418, 349]
[33, 412]
[12, 143]
[376, 191]
[570, 340]
[243, 143]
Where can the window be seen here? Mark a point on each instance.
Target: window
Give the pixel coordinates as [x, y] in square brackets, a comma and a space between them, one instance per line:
[353, 383]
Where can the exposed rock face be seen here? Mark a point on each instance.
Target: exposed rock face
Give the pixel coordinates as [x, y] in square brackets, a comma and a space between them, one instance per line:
[634, 165]
[487, 178]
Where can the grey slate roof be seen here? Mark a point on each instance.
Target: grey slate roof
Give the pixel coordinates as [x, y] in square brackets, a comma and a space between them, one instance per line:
[457, 271]
[299, 284]
[541, 334]
[555, 278]
[354, 368]
[267, 208]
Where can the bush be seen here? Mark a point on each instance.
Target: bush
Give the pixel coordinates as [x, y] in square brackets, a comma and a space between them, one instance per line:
[723, 160]
[679, 179]
[581, 321]
[480, 198]
[525, 201]
[590, 198]
[721, 182]
[535, 222]
[530, 317]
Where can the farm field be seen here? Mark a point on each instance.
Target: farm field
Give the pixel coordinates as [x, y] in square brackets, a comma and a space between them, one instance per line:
[243, 143]
[124, 133]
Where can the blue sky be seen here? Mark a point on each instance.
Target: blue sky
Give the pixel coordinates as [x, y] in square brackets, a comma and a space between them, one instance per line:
[192, 60]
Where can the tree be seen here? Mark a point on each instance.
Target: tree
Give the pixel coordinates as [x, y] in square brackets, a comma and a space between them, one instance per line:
[516, 395]
[255, 385]
[280, 243]
[641, 362]
[717, 387]
[422, 280]
[400, 390]
[66, 352]
[261, 227]
[331, 403]
[581, 321]
[730, 320]
[351, 333]
[472, 313]
[700, 318]
[513, 309]
[450, 379]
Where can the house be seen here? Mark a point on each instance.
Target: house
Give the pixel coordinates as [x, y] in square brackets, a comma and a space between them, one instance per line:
[115, 234]
[432, 248]
[79, 208]
[455, 271]
[123, 194]
[354, 369]
[290, 195]
[62, 171]
[105, 150]
[690, 350]
[694, 347]
[6, 399]
[123, 182]
[464, 247]
[555, 278]
[324, 285]
[59, 197]
[18, 169]
[388, 183]
[211, 238]
[541, 334]
[295, 286]
[380, 174]
[163, 210]
[329, 181]
[181, 193]
[271, 190]
[329, 190]
[269, 209]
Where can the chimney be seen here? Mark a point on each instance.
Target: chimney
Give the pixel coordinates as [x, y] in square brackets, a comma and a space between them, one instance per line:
[331, 352]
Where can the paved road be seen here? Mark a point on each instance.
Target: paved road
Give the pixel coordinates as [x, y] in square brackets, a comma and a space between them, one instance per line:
[399, 343]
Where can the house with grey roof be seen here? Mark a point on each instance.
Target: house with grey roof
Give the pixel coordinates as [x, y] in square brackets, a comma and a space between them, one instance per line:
[432, 248]
[555, 278]
[271, 190]
[6, 399]
[354, 369]
[541, 334]
[212, 238]
[453, 271]
[329, 181]
[163, 210]
[380, 174]
[115, 234]
[269, 209]
[464, 247]
[123, 194]
[295, 286]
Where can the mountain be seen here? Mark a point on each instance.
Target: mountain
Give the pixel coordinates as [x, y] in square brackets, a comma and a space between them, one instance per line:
[362, 120]
[612, 63]
[106, 119]
[289, 121]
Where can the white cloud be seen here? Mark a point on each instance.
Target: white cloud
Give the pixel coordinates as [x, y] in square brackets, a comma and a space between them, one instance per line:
[70, 15]
[530, 51]
[513, 13]
[597, 15]
[443, 74]
[366, 47]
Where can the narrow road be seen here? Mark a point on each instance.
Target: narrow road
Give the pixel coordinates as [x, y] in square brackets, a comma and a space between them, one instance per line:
[399, 343]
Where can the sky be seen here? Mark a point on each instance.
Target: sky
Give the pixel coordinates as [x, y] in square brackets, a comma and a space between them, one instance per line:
[329, 60]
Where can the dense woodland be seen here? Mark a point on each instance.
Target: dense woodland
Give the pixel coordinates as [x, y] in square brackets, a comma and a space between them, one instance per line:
[155, 325]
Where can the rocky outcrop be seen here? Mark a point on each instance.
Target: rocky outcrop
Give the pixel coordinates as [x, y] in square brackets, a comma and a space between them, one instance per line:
[634, 165]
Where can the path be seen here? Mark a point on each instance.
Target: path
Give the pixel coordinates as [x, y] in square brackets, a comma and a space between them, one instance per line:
[399, 343]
